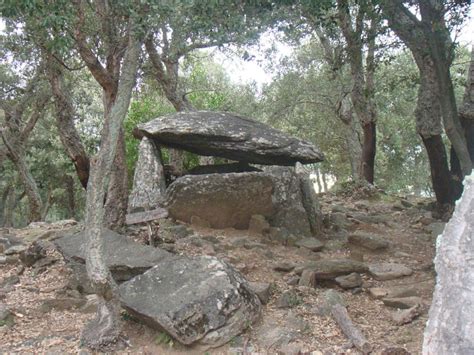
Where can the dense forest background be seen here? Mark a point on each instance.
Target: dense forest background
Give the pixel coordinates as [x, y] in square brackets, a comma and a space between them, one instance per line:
[309, 95]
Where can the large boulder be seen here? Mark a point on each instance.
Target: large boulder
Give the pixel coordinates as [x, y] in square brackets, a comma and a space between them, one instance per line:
[149, 183]
[228, 135]
[223, 200]
[124, 258]
[199, 300]
[230, 200]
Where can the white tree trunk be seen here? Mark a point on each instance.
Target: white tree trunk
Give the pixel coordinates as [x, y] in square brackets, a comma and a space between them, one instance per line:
[450, 327]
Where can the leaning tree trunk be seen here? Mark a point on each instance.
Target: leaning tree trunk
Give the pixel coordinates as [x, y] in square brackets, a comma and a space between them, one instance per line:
[68, 134]
[450, 326]
[105, 328]
[428, 126]
[31, 189]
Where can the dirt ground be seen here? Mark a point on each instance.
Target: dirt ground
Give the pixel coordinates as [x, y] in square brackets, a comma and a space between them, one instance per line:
[407, 227]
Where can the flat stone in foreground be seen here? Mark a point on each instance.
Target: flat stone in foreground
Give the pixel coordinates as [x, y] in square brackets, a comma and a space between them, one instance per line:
[199, 300]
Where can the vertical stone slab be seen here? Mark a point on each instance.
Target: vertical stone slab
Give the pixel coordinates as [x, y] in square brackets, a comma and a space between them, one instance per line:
[310, 200]
[450, 327]
[149, 180]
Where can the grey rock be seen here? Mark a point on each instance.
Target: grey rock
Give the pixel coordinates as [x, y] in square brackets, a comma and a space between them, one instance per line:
[349, 281]
[34, 252]
[290, 212]
[388, 271]
[406, 316]
[312, 244]
[284, 266]
[310, 201]
[288, 299]
[62, 304]
[196, 300]
[258, 224]
[3, 259]
[262, 290]
[307, 278]
[331, 268]
[6, 317]
[9, 281]
[368, 240]
[437, 229]
[330, 298]
[339, 221]
[199, 222]
[372, 219]
[273, 334]
[124, 258]
[224, 200]
[149, 183]
[229, 136]
[15, 249]
[402, 302]
[230, 200]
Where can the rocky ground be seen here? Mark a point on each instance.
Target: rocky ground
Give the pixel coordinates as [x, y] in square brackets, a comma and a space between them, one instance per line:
[388, 302]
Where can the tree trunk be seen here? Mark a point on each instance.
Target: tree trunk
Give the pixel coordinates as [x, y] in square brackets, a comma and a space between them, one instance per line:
[31, 189]
[105, 328]
[368, 151]
[117, 193]
[440, 176]
[8, 209]
[65, 122]
[466, 116]
[450, 324]
[441, 51]
[4, 205]
[71, 200]
[352, 139]
[362, 93]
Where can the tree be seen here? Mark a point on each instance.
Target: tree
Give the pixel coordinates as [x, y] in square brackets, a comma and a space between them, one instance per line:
[23, 107]
[428, 39]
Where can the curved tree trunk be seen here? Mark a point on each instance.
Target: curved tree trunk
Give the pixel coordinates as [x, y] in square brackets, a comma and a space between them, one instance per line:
[105, 328]
[65, 122]
[450, 326]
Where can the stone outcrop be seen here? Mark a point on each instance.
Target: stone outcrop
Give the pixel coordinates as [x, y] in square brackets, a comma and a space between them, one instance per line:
[149, 183]
[228, 135]
[199, 300]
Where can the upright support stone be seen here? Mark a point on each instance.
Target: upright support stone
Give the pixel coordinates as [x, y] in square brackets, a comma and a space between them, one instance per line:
[310, 200]
[450, 326]
[149, 180]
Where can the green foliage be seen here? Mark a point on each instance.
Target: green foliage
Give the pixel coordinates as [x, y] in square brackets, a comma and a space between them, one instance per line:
[163, 338]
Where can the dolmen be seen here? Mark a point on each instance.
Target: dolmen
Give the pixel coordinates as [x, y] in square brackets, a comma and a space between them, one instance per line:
[204, 300]
[262, 181]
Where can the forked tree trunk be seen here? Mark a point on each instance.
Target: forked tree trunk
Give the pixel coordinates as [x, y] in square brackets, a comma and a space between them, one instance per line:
[450, 326]
[105, 328]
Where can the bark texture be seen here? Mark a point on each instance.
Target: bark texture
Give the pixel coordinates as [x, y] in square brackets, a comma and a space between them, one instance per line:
[450, 326]
[117, 79]
[65, 121]
[354, 28]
